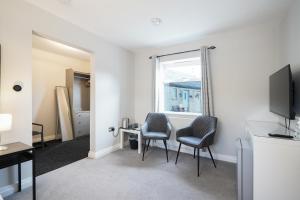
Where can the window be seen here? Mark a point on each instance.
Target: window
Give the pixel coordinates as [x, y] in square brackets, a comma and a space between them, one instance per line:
[179, 86]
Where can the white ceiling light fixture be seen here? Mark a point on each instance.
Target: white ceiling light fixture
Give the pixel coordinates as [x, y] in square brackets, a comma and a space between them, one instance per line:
[156, 21]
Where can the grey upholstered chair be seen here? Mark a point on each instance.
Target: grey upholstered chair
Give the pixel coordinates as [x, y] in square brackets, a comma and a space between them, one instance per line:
[156, 127]
[200, 134]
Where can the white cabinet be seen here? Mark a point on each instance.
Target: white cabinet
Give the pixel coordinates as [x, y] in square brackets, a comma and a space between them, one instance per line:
[276, 162]
[82, 123]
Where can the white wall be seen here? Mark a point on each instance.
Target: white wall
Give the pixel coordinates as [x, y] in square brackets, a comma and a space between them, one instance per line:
[290, 37]
[111, 84]
[289, 48]
[49, 71]
[241, 65]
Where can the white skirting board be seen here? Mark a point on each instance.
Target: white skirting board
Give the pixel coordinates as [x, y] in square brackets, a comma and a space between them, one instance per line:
[47, 138]
[184, 149]
[103, 152]
[11, 189]
[190, 150]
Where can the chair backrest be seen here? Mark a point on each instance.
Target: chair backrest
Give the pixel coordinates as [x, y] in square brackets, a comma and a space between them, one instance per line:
[157, 122]
[203, 125]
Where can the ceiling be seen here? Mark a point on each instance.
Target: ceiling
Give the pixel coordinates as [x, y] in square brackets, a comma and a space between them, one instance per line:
[128, 22]
[52, 46]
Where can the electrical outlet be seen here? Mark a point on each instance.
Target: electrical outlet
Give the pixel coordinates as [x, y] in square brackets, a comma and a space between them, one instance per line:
[111, 129]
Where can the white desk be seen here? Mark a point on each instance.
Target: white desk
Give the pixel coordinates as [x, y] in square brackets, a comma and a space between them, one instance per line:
[137, 132]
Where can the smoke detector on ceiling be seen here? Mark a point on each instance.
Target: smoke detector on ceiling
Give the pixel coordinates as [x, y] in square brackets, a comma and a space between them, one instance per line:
[156, 21]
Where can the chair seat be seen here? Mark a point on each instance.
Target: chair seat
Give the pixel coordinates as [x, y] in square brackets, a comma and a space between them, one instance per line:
[189, 140]
[155, 135]
[36, 133]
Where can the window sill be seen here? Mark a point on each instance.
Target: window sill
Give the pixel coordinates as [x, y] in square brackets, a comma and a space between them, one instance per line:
[182, 114]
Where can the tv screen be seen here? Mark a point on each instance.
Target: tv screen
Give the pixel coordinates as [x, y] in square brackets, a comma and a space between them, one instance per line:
[281, 93]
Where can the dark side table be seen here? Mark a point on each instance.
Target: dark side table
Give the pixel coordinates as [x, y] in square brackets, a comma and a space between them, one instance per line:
[16, 154]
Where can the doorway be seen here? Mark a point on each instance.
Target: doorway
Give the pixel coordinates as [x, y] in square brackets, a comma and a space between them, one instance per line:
[60, 103]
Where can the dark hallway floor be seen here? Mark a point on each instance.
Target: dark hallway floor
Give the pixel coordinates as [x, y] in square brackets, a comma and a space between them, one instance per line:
[58, 154]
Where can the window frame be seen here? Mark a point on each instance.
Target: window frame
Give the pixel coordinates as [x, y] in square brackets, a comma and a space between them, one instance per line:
[160, 89]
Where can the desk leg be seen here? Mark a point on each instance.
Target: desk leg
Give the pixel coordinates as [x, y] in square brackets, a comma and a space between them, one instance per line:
[19, 176]
[139, 143]
[33, 176]
[121, 139]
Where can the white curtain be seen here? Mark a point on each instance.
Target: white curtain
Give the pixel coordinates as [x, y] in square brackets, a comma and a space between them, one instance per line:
[156, 81]
[206, 86]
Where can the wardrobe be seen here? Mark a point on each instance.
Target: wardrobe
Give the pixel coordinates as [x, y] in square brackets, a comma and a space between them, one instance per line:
[78, 85]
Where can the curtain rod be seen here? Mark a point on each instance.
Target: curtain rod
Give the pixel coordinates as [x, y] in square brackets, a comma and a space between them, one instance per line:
[170, 54]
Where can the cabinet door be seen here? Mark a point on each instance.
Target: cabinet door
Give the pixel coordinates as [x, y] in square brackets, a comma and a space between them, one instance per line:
[82, 123]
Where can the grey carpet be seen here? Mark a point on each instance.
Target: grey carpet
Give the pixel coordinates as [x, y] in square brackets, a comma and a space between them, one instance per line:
[122, 175]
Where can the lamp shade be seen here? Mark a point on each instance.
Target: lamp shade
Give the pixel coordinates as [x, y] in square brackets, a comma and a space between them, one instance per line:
[5, 122]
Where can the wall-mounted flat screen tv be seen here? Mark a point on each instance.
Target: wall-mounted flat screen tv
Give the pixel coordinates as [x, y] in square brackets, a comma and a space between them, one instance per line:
[281, 93]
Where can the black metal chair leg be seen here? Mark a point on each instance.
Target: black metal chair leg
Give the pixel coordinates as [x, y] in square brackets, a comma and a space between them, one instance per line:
[178, 153]
[42, 140]
[194, 152]
[144, 150]
[212, 158]
[165, 143]
[198, 159]
[19, 175]
[42, 137]
[33, 175]
[148, 145]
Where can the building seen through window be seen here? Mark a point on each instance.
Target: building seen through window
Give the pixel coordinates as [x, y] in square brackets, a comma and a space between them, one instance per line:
[180, 86]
